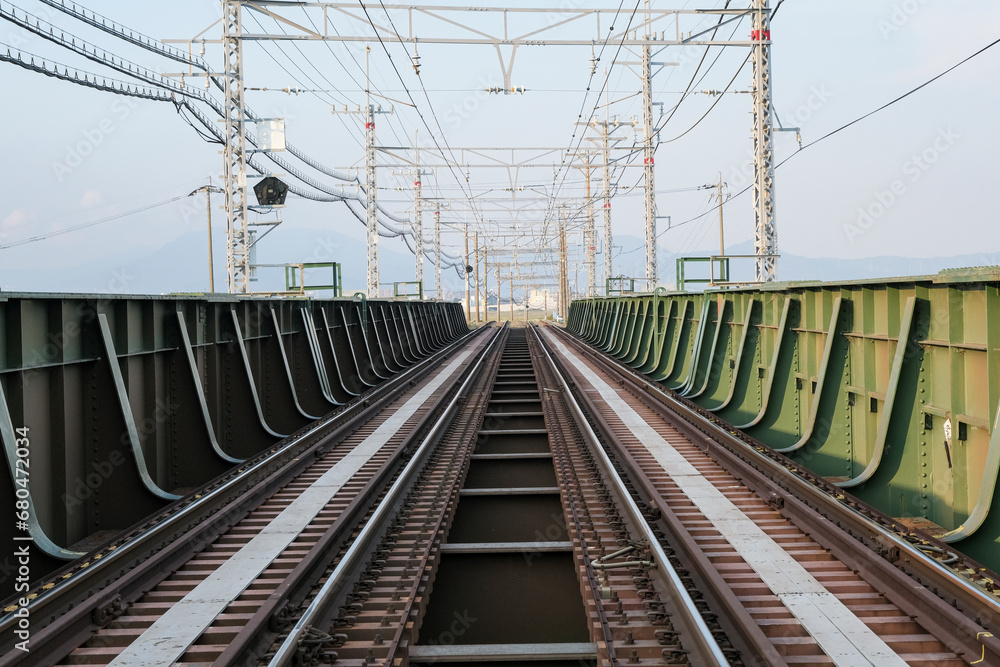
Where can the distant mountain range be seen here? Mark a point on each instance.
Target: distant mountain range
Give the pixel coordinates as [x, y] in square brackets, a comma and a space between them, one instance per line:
[798, 268]
[181, 266]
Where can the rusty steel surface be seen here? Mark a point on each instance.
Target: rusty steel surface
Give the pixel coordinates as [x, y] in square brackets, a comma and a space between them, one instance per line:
[924, 612]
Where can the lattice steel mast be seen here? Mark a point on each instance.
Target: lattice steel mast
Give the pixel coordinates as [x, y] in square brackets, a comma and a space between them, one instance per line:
[371, 182]
[438, 292]
[235, 169]
[590, 234]
[606, 157]
[765, 232]
[648, 158]
[418, 214]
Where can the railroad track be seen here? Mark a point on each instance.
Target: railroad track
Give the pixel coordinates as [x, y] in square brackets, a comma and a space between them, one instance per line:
[224, 561]
[517, 499]
[794, 573]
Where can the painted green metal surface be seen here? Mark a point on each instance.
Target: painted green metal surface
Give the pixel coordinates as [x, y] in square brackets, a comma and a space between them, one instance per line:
[409, 290]
[891, 389]
[131, 402]
[295, 278]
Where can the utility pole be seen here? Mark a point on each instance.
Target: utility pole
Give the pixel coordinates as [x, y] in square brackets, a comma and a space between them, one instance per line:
[438, 291]
[479, 317]
[648, 157]
[418, 214]
[465, 269]
[235, 169]
[563, 268]
[371, 183]
[211, 261]
[722, 238]
[486, 280]
[208, 190]
[606, 157]
[498, 294]
[512, 297]
[765, 232]
[590, 241]
[607, 127]
[526, 304]
[589, 230]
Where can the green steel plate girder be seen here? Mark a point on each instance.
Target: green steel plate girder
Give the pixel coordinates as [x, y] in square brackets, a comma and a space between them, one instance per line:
[888, 388]
[130, 402]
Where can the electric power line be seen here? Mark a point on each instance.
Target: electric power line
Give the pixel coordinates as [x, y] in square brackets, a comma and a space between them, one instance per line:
[74, 228]
[845, 126]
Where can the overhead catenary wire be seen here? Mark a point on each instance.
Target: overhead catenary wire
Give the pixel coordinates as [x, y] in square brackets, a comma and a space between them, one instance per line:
[109, 85]
[453, 162]
[51, 33]
[845, 126]
[31, 62]
[632, 155]
[695, 81]
[86, 225]
[556, 183]
[345, 70]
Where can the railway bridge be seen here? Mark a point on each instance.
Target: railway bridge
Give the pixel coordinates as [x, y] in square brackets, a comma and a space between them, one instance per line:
[785, 474]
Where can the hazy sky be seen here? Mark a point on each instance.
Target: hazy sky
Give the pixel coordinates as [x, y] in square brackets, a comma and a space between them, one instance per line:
[916, 180]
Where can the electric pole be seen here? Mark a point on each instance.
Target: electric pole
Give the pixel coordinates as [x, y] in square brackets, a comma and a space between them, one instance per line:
[765, 232]
[479, 317]
[589, 230]
[722, 238]
[371, 182]
[418, 214]
[563, 268]
[590, 241]
[606, 157]
[438, 291]
[512, 297]
[235, 168]
[465, 269]
[208, 190]
[648, 158]
[607, 127]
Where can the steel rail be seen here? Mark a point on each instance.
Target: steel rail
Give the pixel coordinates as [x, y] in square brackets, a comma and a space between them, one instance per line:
[338, 536]
[836, 519]
[699, 637]
[362, 544]
[74, 596]
[738, 621]
[543, 373]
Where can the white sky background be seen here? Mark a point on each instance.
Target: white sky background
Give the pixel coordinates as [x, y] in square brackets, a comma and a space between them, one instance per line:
[842, 58]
